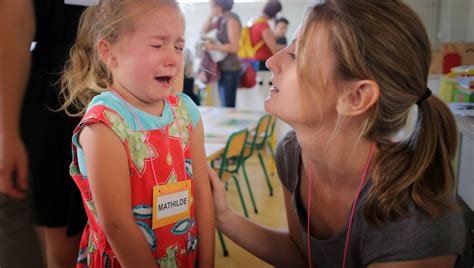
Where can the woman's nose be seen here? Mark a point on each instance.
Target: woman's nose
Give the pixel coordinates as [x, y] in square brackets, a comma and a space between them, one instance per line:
[272, 63]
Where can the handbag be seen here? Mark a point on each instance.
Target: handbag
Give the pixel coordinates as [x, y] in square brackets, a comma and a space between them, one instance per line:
[248, 77]
[451, 58]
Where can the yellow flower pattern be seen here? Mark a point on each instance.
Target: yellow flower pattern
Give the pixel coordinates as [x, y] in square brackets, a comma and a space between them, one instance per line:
[178, 128]
[137, 145]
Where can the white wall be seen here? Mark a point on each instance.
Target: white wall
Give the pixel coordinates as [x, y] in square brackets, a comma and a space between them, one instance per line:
[197, 13]
[445, 20]
[456, 20]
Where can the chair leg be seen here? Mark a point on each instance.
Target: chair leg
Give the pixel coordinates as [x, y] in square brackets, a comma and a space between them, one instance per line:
[240, 195]
[262, 163]
[224, 247]
[273, 157]
[250, 188]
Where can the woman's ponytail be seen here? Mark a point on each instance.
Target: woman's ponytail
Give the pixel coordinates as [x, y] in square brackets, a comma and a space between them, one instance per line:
[417, 169]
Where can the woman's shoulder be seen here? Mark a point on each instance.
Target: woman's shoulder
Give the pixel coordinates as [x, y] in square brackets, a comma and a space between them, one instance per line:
[416, 236]
[287, 160]
[288, 143]
[232, 16]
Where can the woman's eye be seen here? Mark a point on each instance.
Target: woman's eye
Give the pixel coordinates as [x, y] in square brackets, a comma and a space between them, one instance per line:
[156, 46]
[179, 48]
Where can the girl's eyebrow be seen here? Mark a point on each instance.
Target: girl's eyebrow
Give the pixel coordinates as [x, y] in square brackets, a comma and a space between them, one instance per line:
[166, 37]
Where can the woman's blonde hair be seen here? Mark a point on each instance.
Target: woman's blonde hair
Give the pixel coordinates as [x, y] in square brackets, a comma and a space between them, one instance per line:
[85, 75]
[385, 41]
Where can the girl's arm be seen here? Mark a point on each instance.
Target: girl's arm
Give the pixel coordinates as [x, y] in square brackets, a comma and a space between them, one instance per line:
[280, 248]
[203, 199]
[107, 167]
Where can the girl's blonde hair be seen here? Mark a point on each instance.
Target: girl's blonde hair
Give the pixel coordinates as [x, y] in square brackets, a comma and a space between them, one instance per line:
[385, 41]
[85, 75]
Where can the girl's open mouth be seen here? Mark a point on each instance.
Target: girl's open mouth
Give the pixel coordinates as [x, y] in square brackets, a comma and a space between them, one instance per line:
[164, 79]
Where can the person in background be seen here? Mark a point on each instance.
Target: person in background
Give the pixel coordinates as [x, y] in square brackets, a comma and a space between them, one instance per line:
[367, 169]
[281, 26]
[228, 28]
[34, 138]
[188, 84]
[260, 30]
[138, 152]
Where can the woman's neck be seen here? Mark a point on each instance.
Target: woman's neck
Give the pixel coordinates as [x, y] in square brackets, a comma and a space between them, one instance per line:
[334, 157]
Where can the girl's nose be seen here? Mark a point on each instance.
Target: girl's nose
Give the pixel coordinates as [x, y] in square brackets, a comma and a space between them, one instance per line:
[173, 57]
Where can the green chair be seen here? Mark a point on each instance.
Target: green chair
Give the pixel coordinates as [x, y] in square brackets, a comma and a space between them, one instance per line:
[256, 143]
[271, 131]
[229, 166]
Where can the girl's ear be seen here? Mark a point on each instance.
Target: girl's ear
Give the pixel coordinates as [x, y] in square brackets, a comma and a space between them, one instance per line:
[104, 48]
[357, 99]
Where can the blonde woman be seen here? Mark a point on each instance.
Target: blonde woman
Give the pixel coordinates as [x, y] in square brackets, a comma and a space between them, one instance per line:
[366, 173]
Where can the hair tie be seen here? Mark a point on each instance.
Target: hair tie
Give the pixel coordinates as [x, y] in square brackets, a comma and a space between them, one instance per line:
[426, 95]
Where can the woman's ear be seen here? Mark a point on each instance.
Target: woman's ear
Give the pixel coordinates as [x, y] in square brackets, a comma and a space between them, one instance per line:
[358, 98]
[104, 48]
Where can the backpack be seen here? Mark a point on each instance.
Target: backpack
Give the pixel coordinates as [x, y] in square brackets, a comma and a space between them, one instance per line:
[246, 49]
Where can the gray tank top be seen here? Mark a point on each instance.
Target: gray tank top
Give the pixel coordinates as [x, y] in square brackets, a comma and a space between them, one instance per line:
[415, 237]
[232, 61]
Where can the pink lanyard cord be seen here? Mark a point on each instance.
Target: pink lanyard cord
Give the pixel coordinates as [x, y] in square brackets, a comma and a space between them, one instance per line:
[352, 215]
[142, 129]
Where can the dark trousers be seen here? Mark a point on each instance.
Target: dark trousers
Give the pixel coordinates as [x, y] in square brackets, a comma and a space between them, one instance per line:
[228, 83]
[19, 246]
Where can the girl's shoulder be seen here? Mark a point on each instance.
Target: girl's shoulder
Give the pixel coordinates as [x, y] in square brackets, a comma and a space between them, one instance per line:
[185, 107]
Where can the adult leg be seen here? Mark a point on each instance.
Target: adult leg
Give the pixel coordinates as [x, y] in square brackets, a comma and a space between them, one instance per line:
[19, 246]
[53, 189]
[228, 83]
[221, 86]
[61, 251]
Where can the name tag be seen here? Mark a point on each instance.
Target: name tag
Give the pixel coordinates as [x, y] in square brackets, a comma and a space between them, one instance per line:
[81, 2]
[171, 203]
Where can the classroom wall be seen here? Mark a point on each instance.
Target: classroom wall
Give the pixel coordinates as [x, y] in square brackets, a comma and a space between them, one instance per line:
[197, 13]
[445, 20]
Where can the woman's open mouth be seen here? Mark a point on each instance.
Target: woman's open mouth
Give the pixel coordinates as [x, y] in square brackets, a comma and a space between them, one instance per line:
[274, 89]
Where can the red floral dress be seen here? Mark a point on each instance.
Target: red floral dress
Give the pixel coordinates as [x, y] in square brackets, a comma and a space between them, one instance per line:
[173, 245]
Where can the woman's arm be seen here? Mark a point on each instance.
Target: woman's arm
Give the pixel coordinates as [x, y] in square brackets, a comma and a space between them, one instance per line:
[210, 24]
[233, 30]
[270, 41]
[277, 247]
[441, 262]
[203, 199]
[108, 174]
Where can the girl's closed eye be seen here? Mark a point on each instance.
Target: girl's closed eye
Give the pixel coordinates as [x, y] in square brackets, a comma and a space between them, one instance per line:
[179, 48]
[156, 46]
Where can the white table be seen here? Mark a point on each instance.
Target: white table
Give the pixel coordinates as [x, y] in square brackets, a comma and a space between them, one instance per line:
[219, 123]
